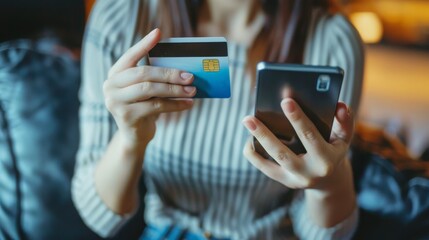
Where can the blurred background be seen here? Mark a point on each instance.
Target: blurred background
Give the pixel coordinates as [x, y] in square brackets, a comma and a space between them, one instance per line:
[396, 85]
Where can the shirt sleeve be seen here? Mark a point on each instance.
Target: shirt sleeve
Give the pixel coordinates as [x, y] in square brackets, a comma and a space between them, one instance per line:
[305, 228]
[108, 35]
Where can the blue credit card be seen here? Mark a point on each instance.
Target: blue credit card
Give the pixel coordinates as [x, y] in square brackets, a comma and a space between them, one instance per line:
[205, 57]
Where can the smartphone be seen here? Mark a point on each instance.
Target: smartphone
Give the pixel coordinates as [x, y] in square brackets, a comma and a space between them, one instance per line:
[315, 88]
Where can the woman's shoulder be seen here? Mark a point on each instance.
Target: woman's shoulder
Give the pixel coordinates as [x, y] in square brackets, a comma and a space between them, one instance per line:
[341, 24]
[111, 13]
[333, 27]
[332, 33]
[115, 22]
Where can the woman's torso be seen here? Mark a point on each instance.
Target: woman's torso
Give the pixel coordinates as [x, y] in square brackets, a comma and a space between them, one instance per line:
[196, 174]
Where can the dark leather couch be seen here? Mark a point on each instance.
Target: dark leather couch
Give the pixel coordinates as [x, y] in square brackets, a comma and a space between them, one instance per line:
[39, 137]
[392, 188]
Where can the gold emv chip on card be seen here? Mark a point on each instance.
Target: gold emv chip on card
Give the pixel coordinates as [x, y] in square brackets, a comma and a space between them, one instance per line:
[211, 65]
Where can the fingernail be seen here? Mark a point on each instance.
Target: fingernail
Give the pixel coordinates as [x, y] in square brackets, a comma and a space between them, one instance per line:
[288, 105]
[189, 89]
[348, 111]
[149, 35]
[249, 124]
[186, 75]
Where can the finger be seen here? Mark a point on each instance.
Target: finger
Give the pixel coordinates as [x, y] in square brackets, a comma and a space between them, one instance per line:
[163, 105]
[343, 124]
[146, 90]
[151, 74]
[274, 147]
[269, 168]
[136, 52]
[305, 129]
[134, 112]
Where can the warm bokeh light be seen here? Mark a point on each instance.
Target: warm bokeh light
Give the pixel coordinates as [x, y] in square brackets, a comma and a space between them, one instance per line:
[404, 21]
[369, 26]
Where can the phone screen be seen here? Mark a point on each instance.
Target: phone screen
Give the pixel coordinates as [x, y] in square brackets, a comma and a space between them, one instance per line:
[316, 90]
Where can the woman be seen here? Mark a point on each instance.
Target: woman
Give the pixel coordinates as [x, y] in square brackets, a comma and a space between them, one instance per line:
[197, 178]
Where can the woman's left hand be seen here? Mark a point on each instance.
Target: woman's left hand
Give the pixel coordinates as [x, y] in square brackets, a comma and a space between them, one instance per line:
[316, 169]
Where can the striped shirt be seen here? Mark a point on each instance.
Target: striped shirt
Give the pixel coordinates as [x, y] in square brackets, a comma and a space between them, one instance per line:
[194, 169]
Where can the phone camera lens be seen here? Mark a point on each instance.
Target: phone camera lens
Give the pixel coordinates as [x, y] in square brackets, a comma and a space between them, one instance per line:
[323, 83]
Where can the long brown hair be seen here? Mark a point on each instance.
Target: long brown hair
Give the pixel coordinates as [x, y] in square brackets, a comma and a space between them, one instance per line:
[287, 24]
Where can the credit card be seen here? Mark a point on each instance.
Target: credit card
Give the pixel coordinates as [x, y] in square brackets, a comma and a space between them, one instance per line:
[205, 57]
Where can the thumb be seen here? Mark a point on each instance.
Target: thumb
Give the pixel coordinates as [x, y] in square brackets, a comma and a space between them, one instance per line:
[136, 52]
[343, 126]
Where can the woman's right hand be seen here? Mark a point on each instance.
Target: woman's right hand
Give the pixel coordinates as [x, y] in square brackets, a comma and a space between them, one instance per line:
[137, 95]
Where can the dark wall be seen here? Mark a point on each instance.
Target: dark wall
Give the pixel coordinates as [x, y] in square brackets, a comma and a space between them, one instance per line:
[35, 18]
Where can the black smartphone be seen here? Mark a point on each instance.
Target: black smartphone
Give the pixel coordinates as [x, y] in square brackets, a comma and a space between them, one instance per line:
[315, 88]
